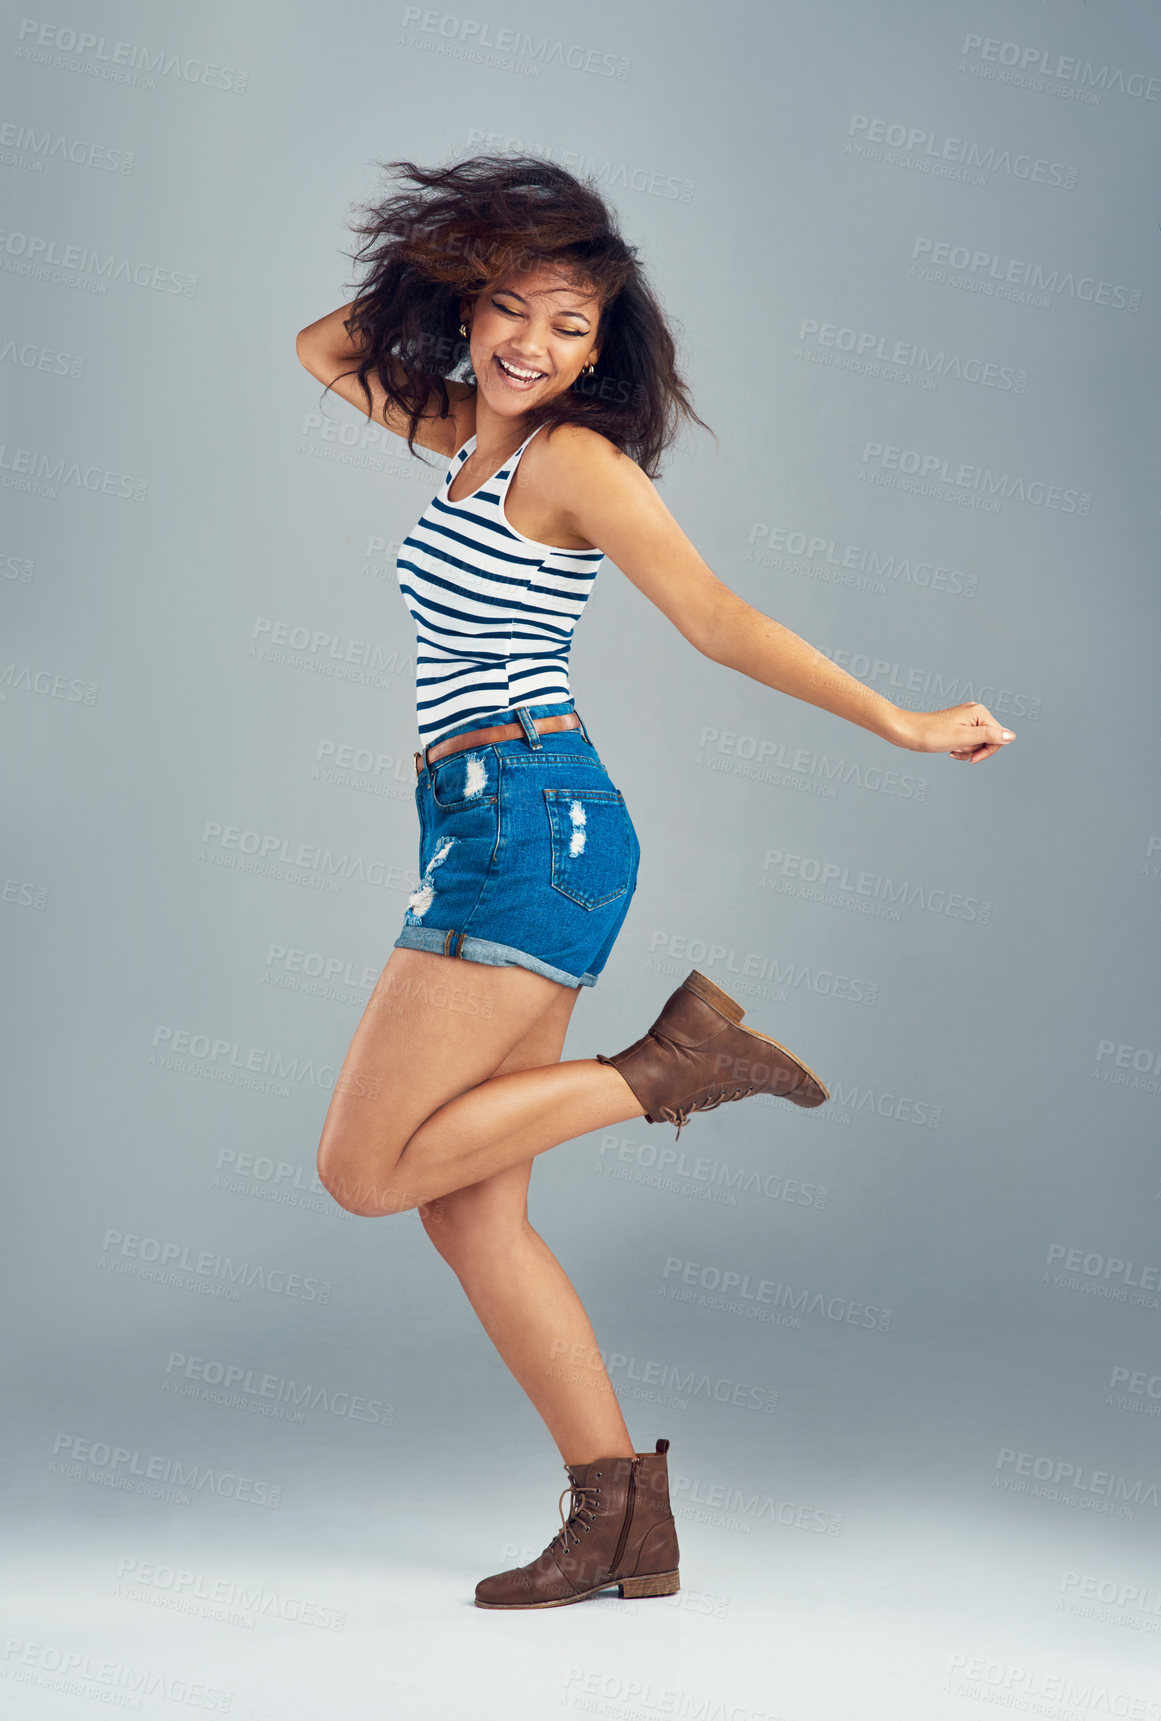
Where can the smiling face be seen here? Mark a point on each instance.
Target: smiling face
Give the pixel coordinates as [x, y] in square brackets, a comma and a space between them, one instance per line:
[530, 336]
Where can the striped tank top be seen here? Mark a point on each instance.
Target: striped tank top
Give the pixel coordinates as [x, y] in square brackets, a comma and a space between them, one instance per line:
[494, 611]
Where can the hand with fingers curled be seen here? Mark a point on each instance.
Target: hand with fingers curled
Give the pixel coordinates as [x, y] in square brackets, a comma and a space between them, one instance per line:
[964, 731]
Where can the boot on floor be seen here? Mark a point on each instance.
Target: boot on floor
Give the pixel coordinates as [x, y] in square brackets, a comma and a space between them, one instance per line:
[619, 1530]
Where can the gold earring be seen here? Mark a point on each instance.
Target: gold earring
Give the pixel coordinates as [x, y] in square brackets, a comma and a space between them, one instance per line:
[588, 370]
[463, 331]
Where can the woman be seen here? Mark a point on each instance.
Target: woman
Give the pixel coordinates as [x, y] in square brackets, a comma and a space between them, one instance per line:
[528, 857]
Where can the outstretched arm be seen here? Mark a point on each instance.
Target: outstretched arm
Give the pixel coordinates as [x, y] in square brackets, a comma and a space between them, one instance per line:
[614, 505]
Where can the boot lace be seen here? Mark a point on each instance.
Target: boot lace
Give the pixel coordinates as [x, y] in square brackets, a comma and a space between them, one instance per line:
[709, 1101]
[582, 1512]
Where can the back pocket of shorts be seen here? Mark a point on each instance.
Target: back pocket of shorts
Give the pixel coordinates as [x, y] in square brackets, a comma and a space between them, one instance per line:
[592, 856]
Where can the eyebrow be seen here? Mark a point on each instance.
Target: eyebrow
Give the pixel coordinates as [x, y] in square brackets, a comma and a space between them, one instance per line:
[515, 295]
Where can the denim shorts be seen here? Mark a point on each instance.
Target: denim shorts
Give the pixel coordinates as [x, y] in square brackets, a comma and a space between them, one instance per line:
[527, 854]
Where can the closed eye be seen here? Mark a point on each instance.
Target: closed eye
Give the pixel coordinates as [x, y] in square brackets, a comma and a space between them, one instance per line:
[509, 312]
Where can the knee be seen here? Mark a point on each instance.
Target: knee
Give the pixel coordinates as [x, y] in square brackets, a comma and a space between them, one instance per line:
[358, 1161]
[368, 1190]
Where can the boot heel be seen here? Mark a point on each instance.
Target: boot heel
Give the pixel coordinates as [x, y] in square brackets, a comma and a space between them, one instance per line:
[697, 983]
[661, 1584]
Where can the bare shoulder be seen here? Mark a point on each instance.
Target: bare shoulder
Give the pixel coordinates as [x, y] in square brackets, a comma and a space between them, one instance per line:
[579, 463]
[560, 467]
[609, 502]
[576, 451]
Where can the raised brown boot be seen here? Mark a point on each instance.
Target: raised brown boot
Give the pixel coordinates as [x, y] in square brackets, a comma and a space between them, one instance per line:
[696, 1057]
[619, 1531]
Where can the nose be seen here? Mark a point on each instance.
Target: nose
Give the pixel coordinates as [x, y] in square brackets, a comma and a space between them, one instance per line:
[529, 338]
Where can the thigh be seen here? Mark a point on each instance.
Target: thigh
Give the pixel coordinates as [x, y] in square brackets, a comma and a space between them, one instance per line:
[434, 1027]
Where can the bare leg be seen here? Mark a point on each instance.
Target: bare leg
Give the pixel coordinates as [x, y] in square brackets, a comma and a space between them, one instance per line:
[522, 1294]
[532, 1313]
[513, 1117]
[419, 1109]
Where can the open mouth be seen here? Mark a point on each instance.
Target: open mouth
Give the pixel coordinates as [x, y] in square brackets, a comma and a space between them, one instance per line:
[518, 374]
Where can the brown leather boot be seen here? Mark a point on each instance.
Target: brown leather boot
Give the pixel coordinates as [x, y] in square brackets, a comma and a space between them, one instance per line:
[695, 1057]
[620, 1531]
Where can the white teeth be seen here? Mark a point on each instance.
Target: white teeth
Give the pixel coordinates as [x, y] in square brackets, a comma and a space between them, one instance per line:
[520, 375]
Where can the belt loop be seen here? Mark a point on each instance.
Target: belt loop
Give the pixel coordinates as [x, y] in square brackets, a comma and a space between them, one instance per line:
[528, 726]
[581, 721]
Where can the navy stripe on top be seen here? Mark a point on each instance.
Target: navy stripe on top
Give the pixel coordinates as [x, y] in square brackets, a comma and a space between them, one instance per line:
[494, 611]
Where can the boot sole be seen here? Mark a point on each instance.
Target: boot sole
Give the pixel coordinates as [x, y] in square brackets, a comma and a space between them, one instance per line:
[630, 1589]
[713, 995]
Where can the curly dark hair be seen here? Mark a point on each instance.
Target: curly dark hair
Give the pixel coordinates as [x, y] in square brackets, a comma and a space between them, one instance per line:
[459, 232]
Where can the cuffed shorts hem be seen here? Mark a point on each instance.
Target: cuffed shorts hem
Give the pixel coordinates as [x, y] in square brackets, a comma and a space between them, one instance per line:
[484, 950]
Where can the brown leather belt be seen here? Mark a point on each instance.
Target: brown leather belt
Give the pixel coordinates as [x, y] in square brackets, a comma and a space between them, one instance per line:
[486, 737]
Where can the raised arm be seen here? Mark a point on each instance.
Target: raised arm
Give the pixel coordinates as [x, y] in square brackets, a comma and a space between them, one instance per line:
[613, 504]
[325, 348]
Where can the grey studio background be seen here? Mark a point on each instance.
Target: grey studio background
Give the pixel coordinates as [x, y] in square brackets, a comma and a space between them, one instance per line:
[257, 1451]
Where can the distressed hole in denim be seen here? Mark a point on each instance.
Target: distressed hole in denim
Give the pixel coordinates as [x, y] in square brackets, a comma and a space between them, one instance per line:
[577, 841]
[475, 778]
[421, 900]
